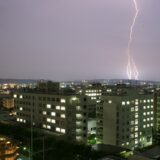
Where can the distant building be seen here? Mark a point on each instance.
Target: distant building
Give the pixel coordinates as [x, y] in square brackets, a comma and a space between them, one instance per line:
[125, 117]
[8, 103]
[8, 149]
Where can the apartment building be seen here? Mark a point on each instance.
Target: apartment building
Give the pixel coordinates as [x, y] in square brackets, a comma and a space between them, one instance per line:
[60, 113]
[125, 117]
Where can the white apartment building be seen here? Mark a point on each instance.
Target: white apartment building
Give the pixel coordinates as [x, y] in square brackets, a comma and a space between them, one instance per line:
[126, 118]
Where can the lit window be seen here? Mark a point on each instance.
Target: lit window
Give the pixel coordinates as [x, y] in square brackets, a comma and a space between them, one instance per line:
[15, 96]
[63, 116]
[148, 113]
[63, 101]
[136, 128]
[48, 127]
[148, 107]
[132, 109]
[151, 106]
[144, 113]
[78, 107]
[63, 108]
[63, 131]
[144, 126]
[148, 125]
[148, 119]
[136, 115]
[151, 100]
[151, 112]
[128, 102]
[17, 119]
[136, 121]
[148, 100]
[48, 106]
[58, 129]
[144, 107]
[44, 112]
[136, 141]
[136, 108]
[24, 121]
[144, 120]
[110, 101]
[78, 115]
[53, 121]
[127, 143]
[151, 118]
[21, 108]
[58, 107]
[53, 114]
[123, 103]
[48, 120]
[74, 98]
[136, 103]
[144, 101]
[151, 124]
[20, 96]
[44, 126]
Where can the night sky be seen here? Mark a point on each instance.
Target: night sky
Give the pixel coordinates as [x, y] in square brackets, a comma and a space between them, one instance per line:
[77, 39]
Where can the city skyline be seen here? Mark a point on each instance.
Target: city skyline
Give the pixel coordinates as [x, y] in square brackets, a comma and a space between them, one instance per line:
[71, 40]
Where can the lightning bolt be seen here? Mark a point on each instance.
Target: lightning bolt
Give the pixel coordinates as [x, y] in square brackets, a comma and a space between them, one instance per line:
[132, 70]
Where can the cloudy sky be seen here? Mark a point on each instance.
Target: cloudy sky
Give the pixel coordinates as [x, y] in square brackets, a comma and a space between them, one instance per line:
[77, 39]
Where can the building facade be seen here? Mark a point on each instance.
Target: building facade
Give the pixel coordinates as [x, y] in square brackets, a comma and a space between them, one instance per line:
[125, 118]
[62, 114]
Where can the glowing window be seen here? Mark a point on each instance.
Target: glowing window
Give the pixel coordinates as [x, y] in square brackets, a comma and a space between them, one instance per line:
[58, 107]
[44, 112]
[20, 96]
[63, 108]
[144, 107]
[128, 102]
[48, 127]
[110, 101]
[48, 120]
[63, 131]
[58, 129]
[53, 121]
[15, 96]
[123, 103]
[53, 114]
[48, 106]
[63, 101]
[21, 108]
[63, 116]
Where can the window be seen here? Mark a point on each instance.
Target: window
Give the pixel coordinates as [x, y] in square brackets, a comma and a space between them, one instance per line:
[15, 96]
[44, 112]
[63, 100]
[63, 108]
[123, 103]
[63, 131]
[58, 129]
[48, 120]
[48, 106]
[63, 116]
[58, 107]
[53, 114]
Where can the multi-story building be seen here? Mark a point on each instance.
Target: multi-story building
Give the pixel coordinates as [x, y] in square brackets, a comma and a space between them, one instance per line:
[125, 118]
[8, 103]
[60, 113]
